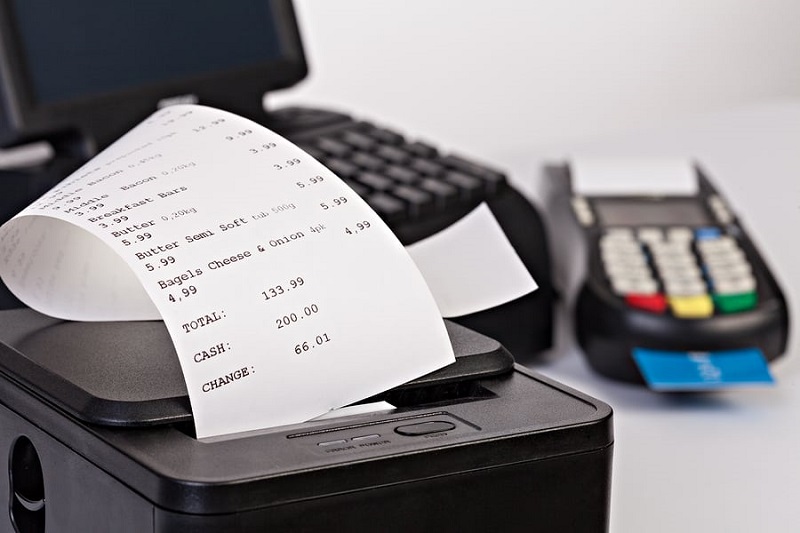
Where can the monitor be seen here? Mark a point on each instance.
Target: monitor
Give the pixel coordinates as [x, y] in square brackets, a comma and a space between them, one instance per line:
[98, 67]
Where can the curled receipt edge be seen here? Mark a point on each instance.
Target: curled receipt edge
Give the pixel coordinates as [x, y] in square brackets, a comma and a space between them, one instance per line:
[284, 293]
[470, 265]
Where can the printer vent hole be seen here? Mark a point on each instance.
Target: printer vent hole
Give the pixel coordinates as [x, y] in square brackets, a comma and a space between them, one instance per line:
[26, 484]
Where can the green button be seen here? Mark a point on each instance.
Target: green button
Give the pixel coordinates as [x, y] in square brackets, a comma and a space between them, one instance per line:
[734, 303]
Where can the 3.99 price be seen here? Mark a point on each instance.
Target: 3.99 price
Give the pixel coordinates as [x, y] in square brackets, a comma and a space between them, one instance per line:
[288, 163]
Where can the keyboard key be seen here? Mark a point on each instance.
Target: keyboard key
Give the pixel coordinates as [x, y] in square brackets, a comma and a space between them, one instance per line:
[720, 209]
[469, 186]
[422, 150]
[392, 154]
[725, 242]
[359, 140]
[388, 207]
[726, 258]
[684, 288]
[621, 234]
[630, 260]
[668, 250]
[699, 306]
[709, 232]
[655, 303]
[376, 181]
[441, 191]
[680, 234]
[683, 272]
[669, 262]
[341, 168]
[386, 136]
[367, 161]
[417, 200]
[582, 210]
[651, 235]
[630, 274]
[625, 287]
[333, 147]
[620, 254]
[735, 286]
[620, 247]
[627, 267]
[735, 303]
[728, 271]
[429, 168]
[492, 179]
[401, 174]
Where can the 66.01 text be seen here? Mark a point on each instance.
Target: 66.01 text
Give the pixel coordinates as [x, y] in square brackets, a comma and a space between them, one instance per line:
[319, 340]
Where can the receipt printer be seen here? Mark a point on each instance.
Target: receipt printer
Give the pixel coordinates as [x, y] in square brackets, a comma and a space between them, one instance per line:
[95, 427]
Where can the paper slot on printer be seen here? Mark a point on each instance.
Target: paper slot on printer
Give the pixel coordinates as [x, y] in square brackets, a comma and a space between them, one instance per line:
[271, 279]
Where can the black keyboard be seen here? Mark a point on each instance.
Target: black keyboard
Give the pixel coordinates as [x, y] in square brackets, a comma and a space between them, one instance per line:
[410, 184]
[419, 190]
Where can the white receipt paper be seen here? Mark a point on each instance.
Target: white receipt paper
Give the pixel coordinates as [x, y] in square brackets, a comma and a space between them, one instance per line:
[600, 176]
[471, 266]
[284, 293]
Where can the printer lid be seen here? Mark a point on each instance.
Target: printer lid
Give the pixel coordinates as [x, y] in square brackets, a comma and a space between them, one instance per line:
[128, 373]
[129, 57]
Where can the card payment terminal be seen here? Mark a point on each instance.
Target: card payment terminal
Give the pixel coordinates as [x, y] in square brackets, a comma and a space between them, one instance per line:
[675, 292]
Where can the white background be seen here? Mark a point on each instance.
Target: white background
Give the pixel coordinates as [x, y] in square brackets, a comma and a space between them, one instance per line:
[482, 76]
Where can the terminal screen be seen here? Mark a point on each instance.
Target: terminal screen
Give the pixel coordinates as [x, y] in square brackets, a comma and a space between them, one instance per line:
[657, 212]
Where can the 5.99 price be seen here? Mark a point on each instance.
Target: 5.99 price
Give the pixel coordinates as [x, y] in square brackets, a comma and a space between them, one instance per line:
[164, 261]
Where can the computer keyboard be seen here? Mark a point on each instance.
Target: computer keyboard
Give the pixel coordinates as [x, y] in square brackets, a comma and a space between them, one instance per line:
[411, 185]
[419, 190]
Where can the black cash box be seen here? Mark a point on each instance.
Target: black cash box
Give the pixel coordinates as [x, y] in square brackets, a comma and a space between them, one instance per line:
[96, 427]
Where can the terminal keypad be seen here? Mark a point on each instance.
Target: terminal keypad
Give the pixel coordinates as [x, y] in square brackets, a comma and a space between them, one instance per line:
[691, 272]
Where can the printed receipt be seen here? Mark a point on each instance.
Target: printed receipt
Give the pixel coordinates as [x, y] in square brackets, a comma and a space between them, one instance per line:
[284, 293]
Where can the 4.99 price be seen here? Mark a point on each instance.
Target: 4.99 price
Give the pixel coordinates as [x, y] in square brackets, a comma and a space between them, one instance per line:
[185, 293]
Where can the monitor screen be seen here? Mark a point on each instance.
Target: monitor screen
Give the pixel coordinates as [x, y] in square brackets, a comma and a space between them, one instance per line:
[98, 67]
[81, 49]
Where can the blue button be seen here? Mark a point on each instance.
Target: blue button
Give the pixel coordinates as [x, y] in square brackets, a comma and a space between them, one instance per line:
[698, 370]
[706, 233]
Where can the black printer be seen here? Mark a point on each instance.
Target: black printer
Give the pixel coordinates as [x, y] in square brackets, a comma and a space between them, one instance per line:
[495, 447]
[97, 428]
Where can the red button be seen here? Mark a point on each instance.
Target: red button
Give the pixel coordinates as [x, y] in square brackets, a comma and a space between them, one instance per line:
[655, 303]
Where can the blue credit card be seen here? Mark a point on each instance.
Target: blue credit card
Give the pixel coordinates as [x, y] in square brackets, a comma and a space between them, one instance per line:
[697, 370]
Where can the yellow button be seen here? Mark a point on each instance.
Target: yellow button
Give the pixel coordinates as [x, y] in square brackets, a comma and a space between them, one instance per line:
[699, 306]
